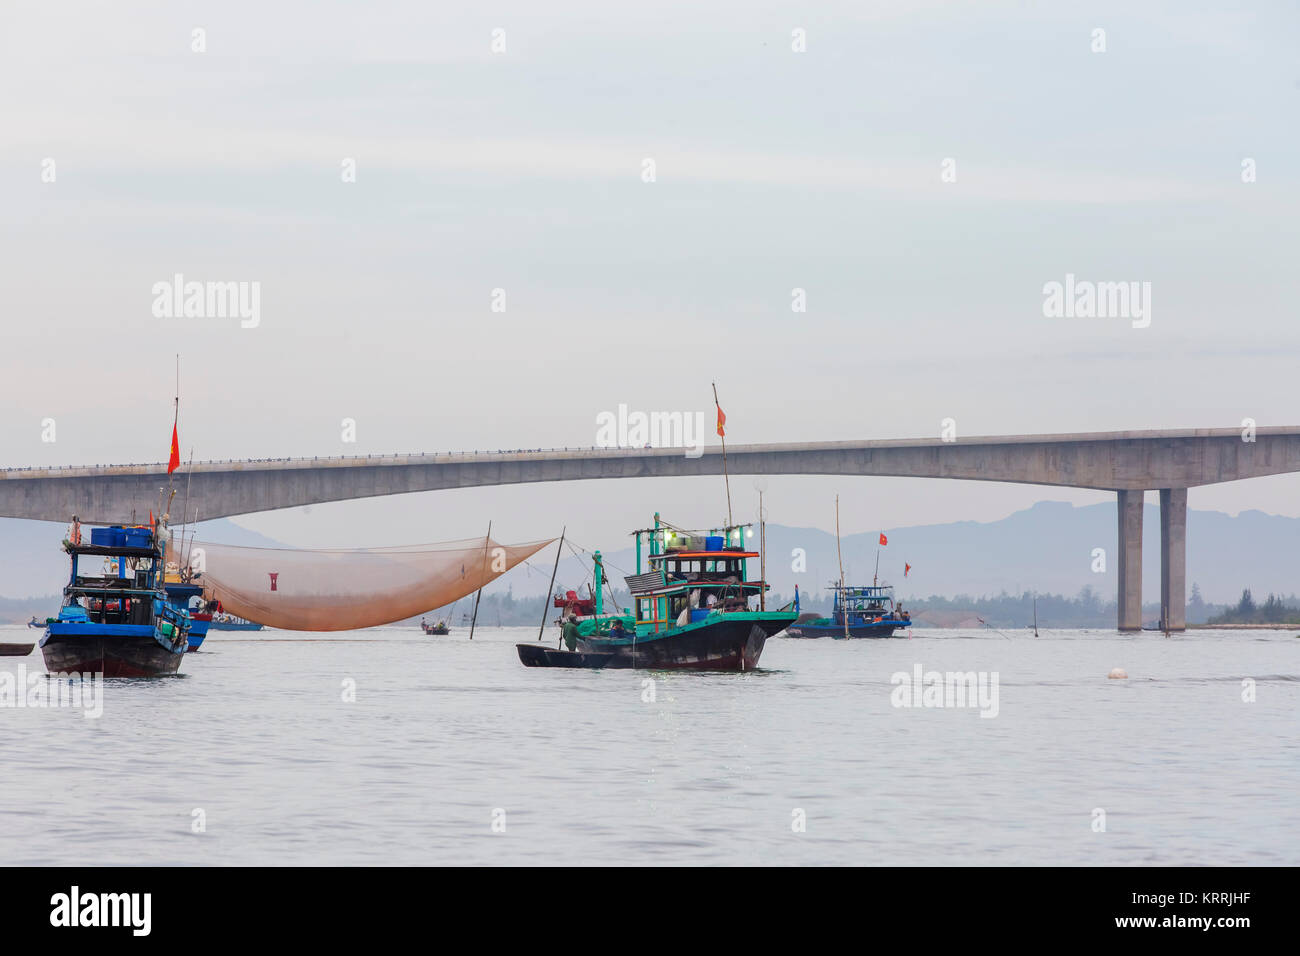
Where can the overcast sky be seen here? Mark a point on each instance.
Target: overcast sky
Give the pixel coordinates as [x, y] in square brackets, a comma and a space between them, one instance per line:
[522, 170]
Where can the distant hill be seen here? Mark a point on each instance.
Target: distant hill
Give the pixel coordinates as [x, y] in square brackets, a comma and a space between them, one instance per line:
[1047, 549]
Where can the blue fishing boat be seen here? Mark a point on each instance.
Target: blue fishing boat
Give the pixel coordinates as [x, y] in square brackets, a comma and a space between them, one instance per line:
[189, 596]
[117, 622]
[855, 612]
[222, 621]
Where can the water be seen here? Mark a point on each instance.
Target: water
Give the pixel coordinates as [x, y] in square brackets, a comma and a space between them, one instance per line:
[257, 735]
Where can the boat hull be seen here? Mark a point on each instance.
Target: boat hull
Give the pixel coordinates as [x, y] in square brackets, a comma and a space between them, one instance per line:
[721, 643]
[883, 629]
[110, 656]
[249, 626]
[535, 655]
[16, 650]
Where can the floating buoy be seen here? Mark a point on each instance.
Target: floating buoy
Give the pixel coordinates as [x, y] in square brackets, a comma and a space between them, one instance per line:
[1117, 673]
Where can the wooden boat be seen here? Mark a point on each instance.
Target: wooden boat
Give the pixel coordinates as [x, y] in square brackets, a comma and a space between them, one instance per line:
[436, 630]
[16, 650]
[692, 608]
[538, 655]
[870, 612]
[119, 624]
[228, 622]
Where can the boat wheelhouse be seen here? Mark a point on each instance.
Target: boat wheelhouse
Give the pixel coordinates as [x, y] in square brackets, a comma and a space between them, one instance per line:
[117, 622]
[855, 612]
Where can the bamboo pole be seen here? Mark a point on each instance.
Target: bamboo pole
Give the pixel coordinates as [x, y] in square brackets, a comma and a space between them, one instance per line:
[547, 600]
[479, 593]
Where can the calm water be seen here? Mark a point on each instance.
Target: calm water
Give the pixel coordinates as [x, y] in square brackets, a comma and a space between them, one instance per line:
[256, 734]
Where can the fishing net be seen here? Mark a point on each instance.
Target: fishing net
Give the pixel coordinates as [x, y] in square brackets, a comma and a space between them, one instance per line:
[345, 590]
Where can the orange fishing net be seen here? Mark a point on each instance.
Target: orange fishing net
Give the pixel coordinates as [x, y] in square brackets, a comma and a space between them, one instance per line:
[345, 590]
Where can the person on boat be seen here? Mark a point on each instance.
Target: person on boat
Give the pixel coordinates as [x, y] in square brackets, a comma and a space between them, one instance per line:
[570, 632]
[616, 631]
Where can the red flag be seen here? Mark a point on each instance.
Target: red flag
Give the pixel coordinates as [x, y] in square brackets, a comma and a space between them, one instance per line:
[722, 420]
[174, 461]
[906, 567]
[883, 539]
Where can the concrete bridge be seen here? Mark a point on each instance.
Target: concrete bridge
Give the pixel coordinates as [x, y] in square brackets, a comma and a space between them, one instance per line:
[1128, 463]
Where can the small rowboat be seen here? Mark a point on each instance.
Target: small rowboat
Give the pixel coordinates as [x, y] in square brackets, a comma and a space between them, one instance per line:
[16, 650]
[535, 655]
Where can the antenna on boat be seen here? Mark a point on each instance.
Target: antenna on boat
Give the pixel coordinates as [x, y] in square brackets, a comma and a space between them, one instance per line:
[479, 593]
[844, 610]
[722, 433]
[550, 587]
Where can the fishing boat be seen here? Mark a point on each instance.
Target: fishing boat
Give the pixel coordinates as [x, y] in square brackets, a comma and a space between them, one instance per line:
[436, 630]
[229, 622]
[119, 622]
[692, 596]
[188, 595]
[855, 612]
[17, 650]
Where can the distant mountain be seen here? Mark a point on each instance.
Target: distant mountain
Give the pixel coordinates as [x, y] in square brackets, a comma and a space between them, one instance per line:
[1047, 548]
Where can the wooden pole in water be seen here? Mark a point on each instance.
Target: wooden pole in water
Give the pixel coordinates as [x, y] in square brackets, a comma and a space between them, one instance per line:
[844, 609]
[547, 600]
[479, 593]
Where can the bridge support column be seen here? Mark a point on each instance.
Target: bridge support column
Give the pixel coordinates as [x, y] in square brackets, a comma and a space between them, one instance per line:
[1173, 557]
[1130, 560]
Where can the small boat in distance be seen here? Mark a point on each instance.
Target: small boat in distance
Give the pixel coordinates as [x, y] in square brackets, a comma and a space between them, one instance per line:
[222, 621]
[118, 622]
[870, 612]
[435, 630]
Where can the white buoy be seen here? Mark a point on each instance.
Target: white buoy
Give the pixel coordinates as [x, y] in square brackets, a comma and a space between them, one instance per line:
[1118, 673]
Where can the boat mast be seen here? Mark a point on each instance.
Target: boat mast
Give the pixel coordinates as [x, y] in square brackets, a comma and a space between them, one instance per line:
[479, 593]
[1035, 615]
[844, 611]
[722, 433]
[550, 587]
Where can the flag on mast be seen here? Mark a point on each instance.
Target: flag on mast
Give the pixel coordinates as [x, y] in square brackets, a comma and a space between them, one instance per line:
[722, 420]
[174, 461]
[883, 539]
[906, 568]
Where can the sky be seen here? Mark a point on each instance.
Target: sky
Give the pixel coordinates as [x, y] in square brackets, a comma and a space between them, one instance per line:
[523, 169]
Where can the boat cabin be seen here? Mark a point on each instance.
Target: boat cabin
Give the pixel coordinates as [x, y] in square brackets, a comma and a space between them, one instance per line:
[690, 576]
[864, 605]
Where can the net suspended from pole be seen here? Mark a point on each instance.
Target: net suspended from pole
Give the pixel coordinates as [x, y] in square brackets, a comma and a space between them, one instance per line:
[303, 590]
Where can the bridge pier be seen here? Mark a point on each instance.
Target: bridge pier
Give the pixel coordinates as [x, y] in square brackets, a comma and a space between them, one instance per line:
[1130, 560]
[1173, 557]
